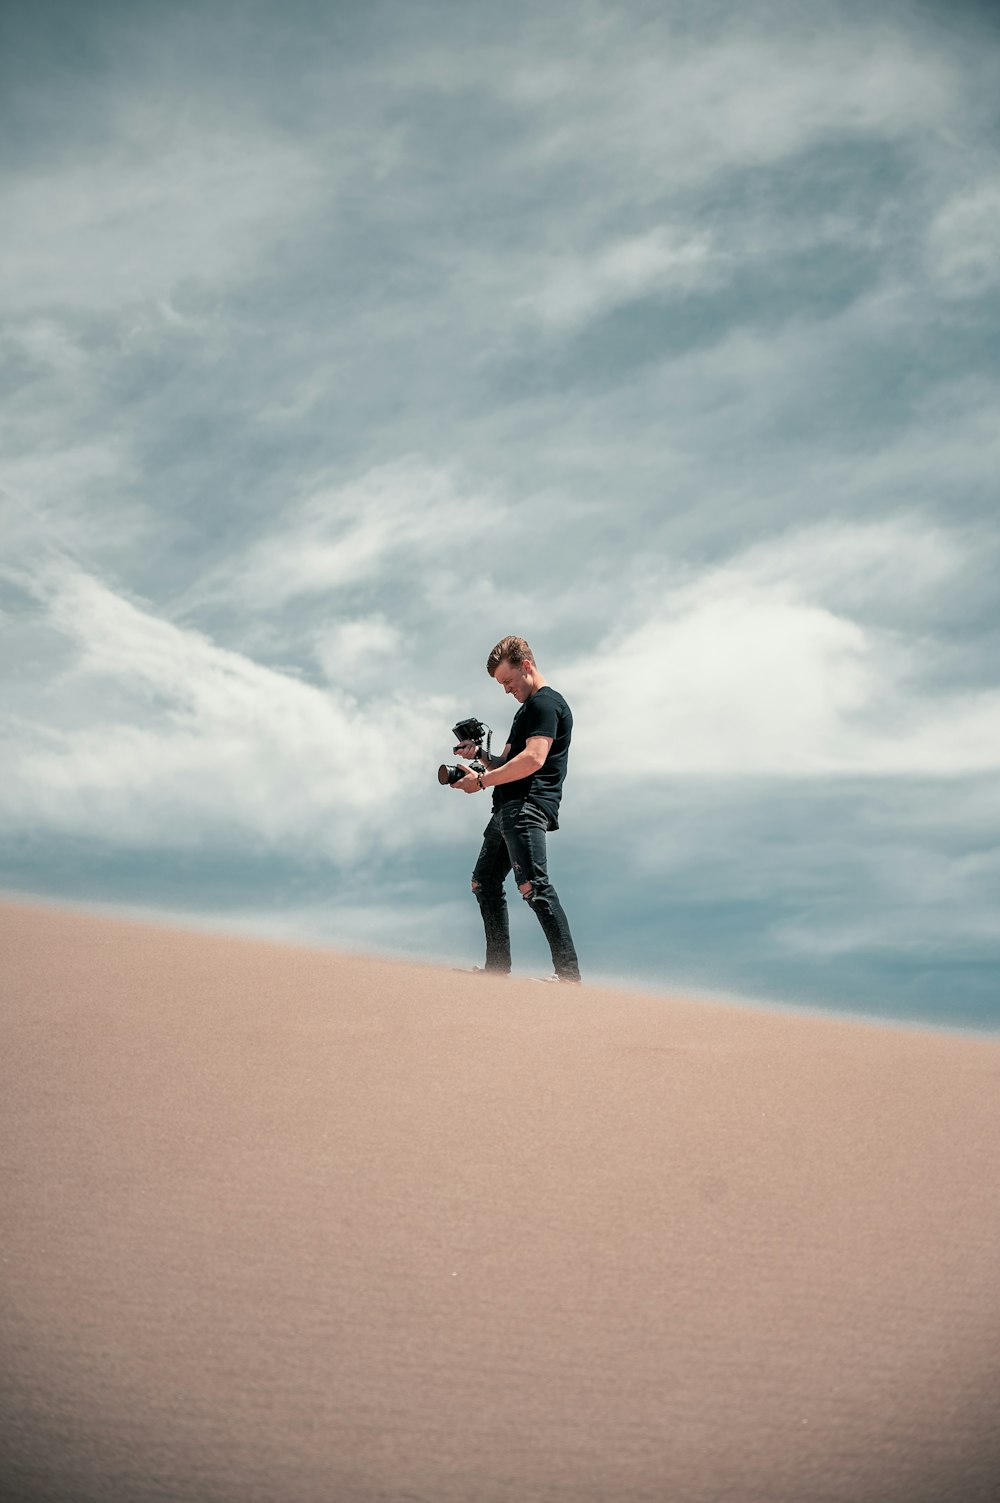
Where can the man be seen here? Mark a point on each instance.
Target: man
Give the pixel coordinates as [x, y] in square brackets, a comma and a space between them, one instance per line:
[527, 780]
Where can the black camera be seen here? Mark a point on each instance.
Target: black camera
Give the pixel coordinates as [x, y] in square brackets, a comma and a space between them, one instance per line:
[469, 730]
[466, 730]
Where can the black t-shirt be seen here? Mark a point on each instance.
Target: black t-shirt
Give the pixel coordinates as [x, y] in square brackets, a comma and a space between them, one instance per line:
[546, 713]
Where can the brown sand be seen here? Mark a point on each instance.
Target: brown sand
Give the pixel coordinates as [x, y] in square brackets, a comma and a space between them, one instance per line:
[283, 1226]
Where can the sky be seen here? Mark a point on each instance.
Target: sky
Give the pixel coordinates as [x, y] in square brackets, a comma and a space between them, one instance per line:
[339, 340]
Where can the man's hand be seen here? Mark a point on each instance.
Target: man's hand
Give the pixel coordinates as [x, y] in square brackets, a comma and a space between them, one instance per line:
[469, 784]
[467, 749]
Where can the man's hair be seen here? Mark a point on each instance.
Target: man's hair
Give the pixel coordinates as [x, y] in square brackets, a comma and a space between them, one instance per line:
[512, 650]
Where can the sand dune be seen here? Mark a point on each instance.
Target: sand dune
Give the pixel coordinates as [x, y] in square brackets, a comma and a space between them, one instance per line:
[286, 1225]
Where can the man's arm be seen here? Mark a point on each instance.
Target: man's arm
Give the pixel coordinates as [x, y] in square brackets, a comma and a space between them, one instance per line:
[522, 766]
[536, 749]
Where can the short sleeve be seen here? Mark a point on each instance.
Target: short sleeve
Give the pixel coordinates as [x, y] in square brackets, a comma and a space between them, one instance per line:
[542, 718]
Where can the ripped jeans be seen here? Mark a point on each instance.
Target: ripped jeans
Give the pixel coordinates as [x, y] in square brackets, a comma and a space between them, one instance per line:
[514, 840]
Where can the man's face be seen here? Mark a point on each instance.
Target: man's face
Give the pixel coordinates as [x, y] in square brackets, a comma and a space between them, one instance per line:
[516, 681]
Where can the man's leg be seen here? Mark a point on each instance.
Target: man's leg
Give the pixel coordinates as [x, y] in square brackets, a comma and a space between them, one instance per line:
[524, 828]
[487, 884]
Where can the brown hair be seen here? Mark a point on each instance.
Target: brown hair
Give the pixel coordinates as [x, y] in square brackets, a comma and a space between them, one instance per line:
[512, 650]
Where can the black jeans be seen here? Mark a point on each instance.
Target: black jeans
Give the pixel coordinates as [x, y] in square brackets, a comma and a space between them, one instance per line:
[514, 840]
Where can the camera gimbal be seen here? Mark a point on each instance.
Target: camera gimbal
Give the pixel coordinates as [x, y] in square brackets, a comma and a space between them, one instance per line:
[466, 730]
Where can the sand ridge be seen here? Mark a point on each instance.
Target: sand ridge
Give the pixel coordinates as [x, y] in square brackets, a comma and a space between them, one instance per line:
[287, 1224]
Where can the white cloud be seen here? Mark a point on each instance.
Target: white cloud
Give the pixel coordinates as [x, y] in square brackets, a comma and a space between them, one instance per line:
[573, 288]
[46, 341]
[50, 482]
[963, 242]
[343, 534]
[347, 649]
[730, 677]
[950, 735]
[160, 736]
[865, 567]
[748, 670]
[665, 108]
[173, 203]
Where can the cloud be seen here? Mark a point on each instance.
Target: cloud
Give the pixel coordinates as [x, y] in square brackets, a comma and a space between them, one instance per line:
[352, 646]
[649, 102]
[962, 242]
[163, 737]
[573, 288]
[748, 669]
[345, 534]
[182, 203]
[872, 568]
[929, 902]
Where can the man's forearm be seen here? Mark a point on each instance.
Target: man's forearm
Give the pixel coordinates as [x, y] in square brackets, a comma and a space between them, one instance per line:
[521, 766]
